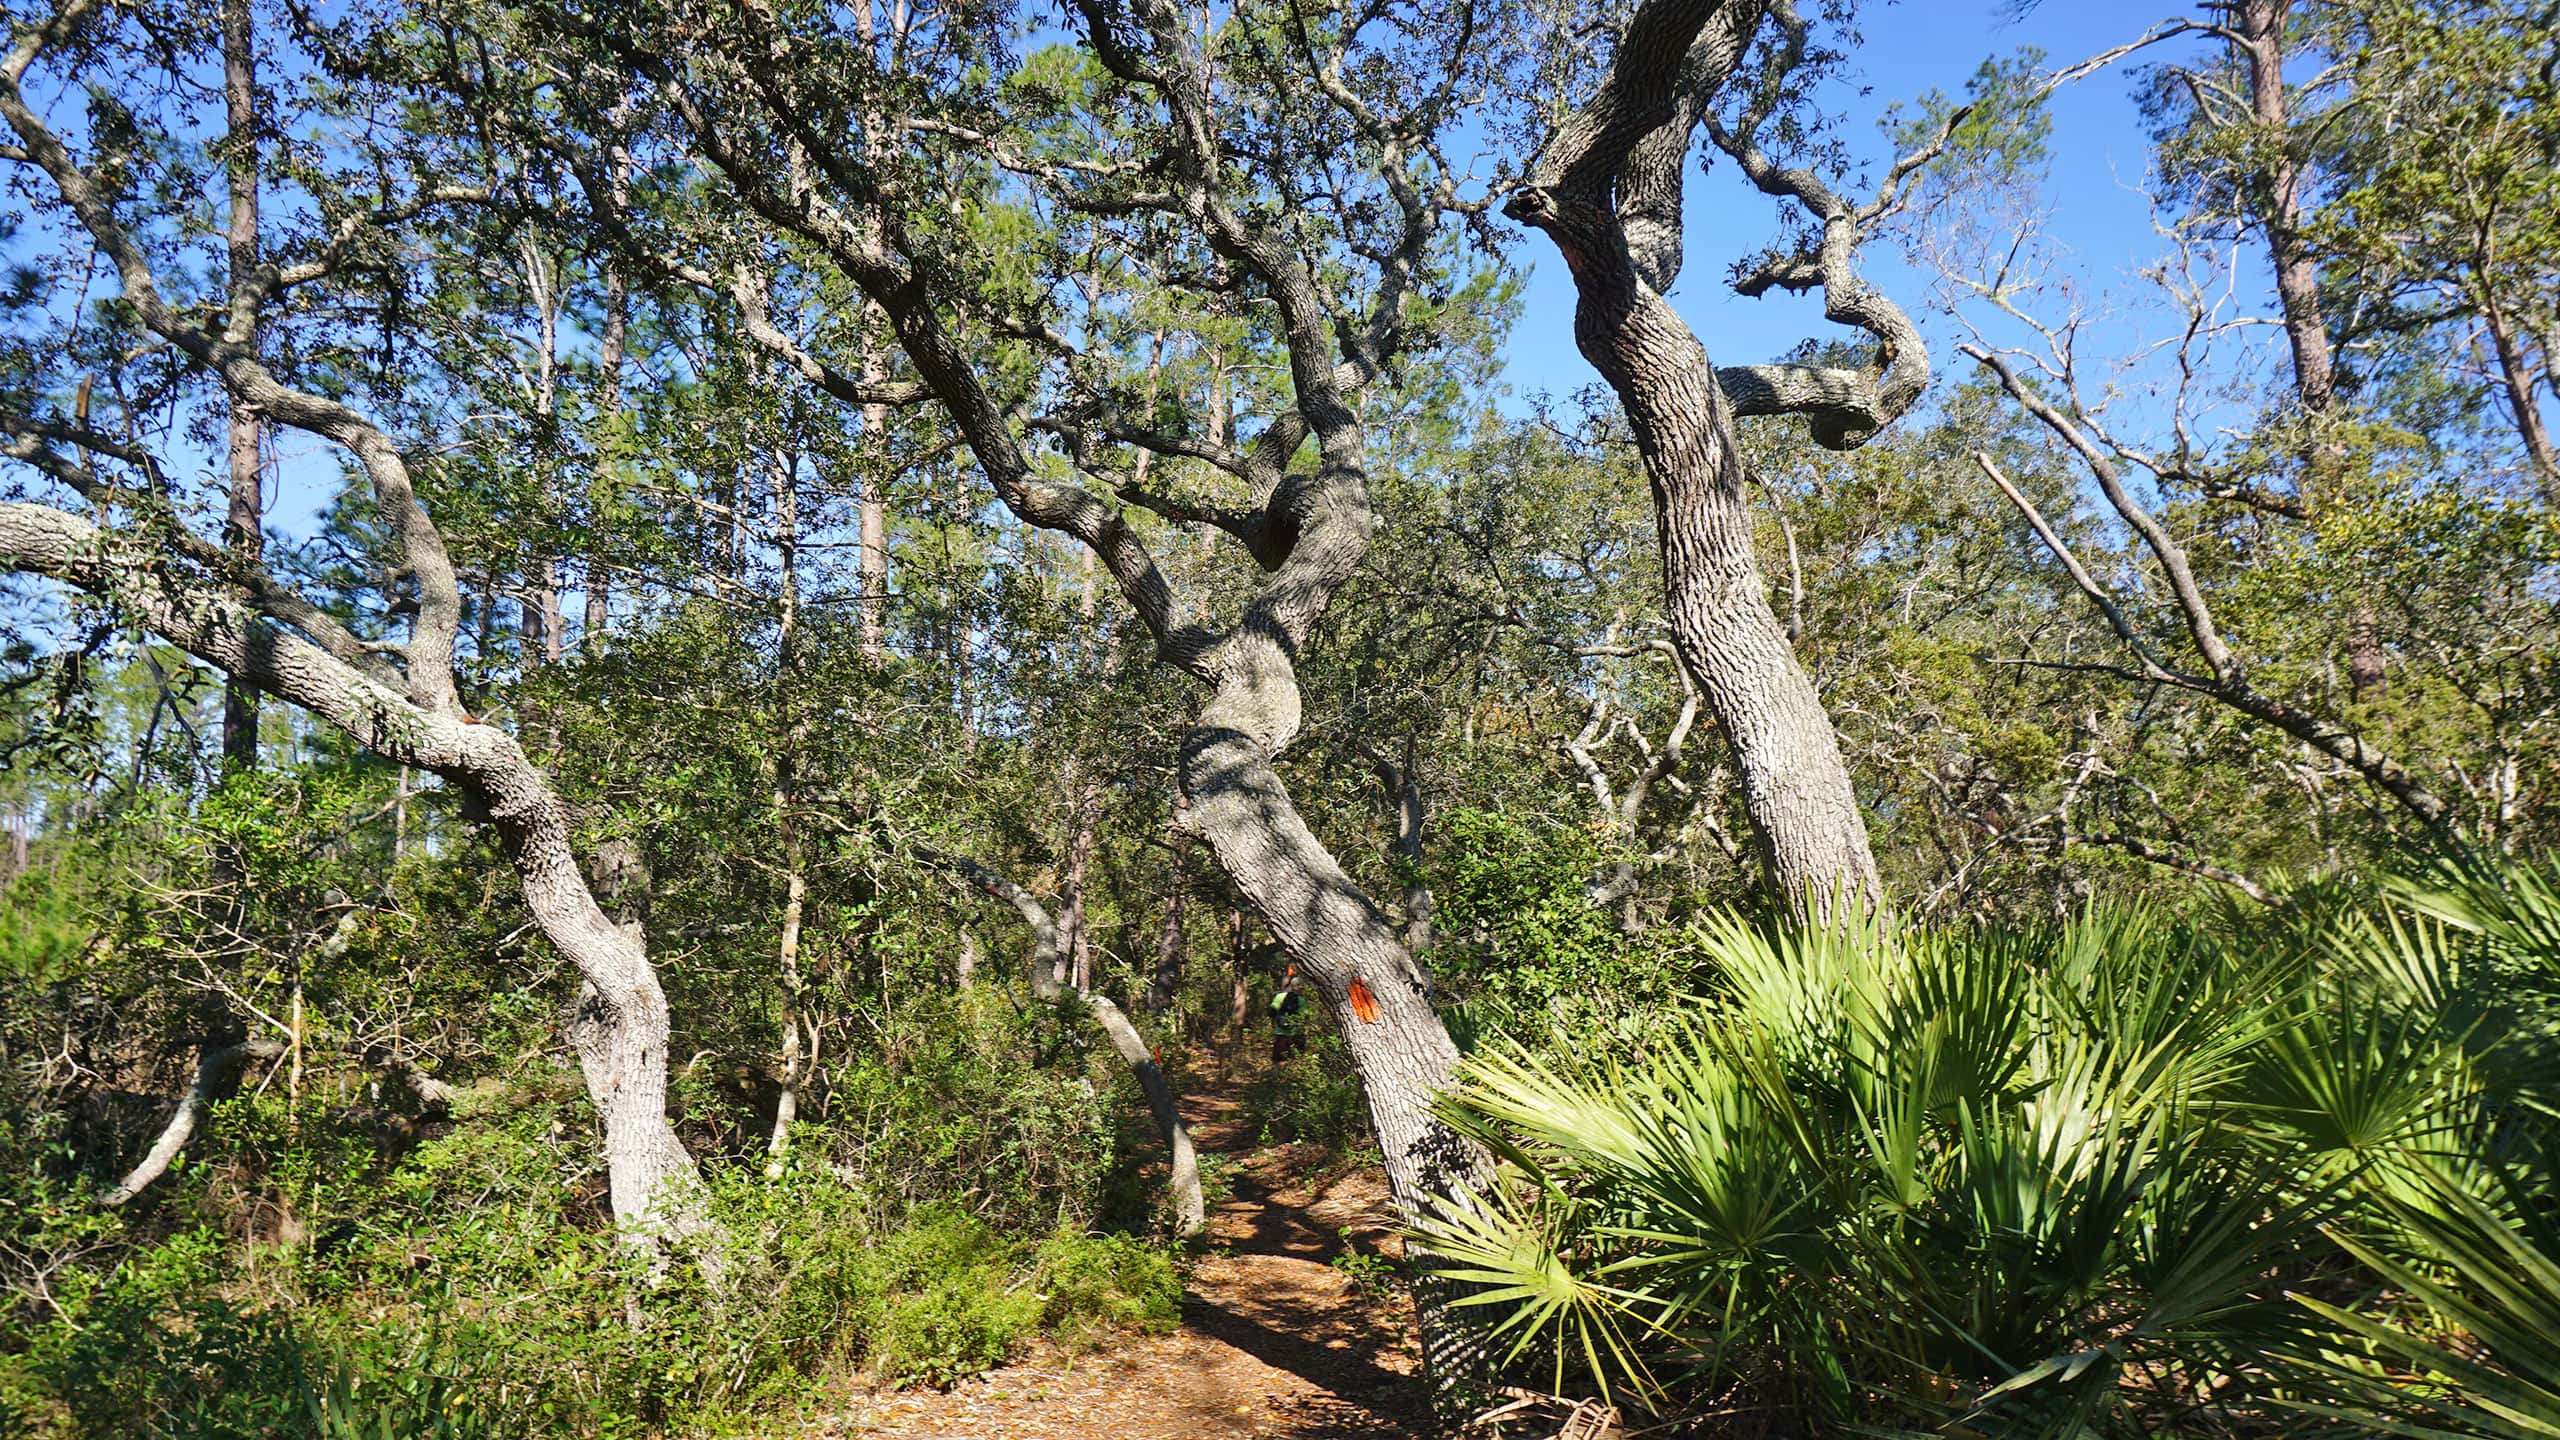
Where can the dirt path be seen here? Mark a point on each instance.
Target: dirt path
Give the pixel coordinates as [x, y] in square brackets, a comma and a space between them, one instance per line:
[1275, 1343]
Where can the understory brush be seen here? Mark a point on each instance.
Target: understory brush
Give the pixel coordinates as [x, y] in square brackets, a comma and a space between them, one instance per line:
[2126, 1175]
[1312, 1098]
[538, 1325]
[293, 1277]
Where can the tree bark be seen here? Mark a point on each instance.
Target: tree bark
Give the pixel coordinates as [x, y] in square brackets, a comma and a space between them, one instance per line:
[1310, 531]
[1795, 783]
[786, 800]
[1075, 949]
[878, 138]
[2517, 372]
[217, 1073]
[1402, 785]
[538, 609]
[2258, 28]
[1606, 192]
[1239, 974]
[243, 526]
[609, 350]
[873, 626]
[251, 627]
[2258, 31]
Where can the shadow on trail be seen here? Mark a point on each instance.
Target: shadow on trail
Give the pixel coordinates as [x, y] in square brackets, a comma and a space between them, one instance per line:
[1259, 1221]
[1346, 1372]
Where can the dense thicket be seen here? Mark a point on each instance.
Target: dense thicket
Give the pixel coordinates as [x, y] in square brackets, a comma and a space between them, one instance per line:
[671, 669]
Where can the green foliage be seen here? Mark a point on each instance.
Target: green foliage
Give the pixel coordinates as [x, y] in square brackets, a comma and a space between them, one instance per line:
[1526, 952]
[964, 1105]
[417, 1404]
[2462, 1344]
[2025, 1180]
[2035, 1177]
[1373, 1276]
[960, 1299]
[533, 1315]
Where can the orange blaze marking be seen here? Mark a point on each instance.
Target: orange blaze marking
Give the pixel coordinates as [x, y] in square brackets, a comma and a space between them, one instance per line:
[1363, 1004]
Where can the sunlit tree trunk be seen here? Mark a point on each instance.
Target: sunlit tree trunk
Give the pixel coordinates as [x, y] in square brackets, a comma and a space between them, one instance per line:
[786, 802]
[243, 526]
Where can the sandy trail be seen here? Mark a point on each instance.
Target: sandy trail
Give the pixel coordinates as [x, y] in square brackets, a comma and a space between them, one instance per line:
[1275, 1344]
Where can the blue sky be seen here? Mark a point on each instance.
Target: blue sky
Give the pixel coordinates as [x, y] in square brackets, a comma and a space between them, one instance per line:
[2097, 219]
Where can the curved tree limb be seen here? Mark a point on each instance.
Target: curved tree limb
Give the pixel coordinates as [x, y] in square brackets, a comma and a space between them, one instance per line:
[2224, 679]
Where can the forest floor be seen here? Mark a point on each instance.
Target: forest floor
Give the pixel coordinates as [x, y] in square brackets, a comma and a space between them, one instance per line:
[1276, 1341]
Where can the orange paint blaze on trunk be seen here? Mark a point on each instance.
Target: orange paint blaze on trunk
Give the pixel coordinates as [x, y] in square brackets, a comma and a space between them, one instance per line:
[1363, 1004]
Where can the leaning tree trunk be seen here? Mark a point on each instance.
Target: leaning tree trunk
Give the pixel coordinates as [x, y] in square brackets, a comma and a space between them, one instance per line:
[1379, 998]
[253, 628]
[1308, 532]
[1607, 190]
[1345, 946]
[618, 1023]
[1338, 937]
[218, 1068]
[1795, 783]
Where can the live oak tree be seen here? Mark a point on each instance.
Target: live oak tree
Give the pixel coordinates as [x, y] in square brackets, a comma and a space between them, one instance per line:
[1607, 189]
[1192, 149]
[387, 680]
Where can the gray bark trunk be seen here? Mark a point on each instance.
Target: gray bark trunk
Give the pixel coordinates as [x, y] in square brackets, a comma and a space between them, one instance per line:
[1607, 191]
[1166, 982]
[874, 511]
[217, 1073]
[244, 520]
[786, 526]
[1795, 783]
[1075, 949]
[610, 348]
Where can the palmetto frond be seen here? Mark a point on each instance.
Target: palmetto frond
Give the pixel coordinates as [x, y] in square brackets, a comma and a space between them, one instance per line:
[2473, 1350]
[2050, 1180]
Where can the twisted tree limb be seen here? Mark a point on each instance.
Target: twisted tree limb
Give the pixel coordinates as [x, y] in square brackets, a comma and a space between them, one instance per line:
[1606, 190]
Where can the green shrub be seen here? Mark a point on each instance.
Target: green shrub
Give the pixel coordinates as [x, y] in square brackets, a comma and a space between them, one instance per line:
[413, 1403]
[1110, 1280]
[957, 1106]
[953, 1330]
[2024, 1181]
[957, 1299]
